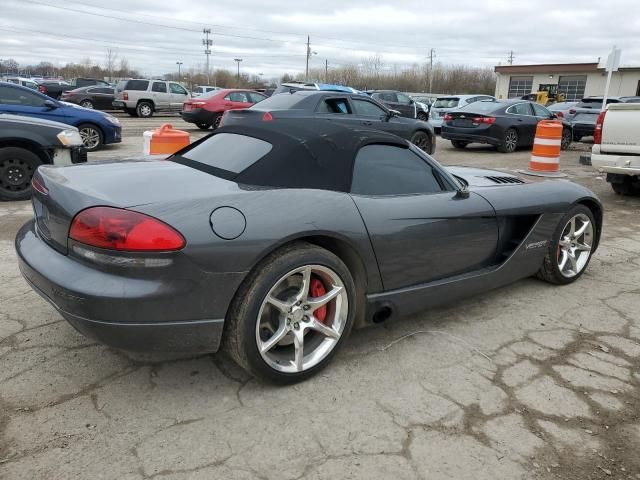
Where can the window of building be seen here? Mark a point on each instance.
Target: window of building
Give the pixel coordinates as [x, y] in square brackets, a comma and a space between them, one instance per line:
[519, 86]
[572, 86]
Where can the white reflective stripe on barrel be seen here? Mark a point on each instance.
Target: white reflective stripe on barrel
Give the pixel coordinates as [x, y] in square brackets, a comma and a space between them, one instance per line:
[549, 141]
[535, 158]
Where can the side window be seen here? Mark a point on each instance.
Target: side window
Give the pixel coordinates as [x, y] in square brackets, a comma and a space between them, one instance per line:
[472, 99]
[403, 99]
[159, 87]
[176, 88]
[389, 97]
[391, 170]
[520, 109]
[256, 97]
[18, 96]
[239, 97]
[370, 109]
[140, 85]
[541, 111]
[334, 105]
[197, 90]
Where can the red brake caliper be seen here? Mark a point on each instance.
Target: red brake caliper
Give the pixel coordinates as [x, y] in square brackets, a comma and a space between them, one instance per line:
[316, 289]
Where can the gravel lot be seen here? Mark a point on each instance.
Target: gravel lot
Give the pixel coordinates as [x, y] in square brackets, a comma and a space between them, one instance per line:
[529, 381]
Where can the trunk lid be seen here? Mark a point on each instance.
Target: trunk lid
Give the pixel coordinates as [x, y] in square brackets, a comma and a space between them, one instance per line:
[62, 192]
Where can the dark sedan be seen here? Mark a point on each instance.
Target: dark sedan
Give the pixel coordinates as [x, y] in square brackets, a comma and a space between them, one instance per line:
[351, 109]
[93, 97]
[507, 124]
[288, 234]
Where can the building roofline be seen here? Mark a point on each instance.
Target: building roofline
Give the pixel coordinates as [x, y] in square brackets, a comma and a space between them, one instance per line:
[548, 68]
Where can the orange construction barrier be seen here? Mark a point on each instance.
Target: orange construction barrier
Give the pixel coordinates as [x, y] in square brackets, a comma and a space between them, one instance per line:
[164, 140]
[545, 158]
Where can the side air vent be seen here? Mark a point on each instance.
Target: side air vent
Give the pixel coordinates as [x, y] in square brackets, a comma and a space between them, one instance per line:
[505, 180]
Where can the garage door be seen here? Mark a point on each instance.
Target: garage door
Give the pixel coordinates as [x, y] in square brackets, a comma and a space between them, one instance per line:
[519, 86]
[572, 86]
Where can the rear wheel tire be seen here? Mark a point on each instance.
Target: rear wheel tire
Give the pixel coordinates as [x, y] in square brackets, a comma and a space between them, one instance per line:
[216, 122]
[459, 144]
[509, 141]
[203, 126]
[92, 137]
[566, 139]
[144, 110]
[17, 166]
[278, 327]
[569, 251]
[87, 104]
[626, 187]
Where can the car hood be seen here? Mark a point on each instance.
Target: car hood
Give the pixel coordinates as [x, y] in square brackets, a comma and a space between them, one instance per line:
[479, 177]
[20, 119]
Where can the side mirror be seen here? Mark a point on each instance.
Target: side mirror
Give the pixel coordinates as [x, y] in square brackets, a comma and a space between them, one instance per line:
[393, 113]
[462, 192]
[50, 104]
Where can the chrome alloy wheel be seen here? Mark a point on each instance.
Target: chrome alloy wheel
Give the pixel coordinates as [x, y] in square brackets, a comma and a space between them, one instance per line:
[295, 331]
[574, 246]
[90, 137]
[511, 141]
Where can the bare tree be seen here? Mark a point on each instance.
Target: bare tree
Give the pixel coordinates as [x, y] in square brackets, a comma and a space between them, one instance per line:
[110, 61]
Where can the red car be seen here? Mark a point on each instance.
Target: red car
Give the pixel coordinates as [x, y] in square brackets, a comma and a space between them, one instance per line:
[207, 109]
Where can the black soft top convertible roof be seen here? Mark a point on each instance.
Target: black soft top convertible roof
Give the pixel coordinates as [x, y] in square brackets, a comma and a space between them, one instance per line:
[306, 153]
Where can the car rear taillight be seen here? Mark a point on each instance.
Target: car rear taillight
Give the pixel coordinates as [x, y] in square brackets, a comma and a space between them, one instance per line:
[572, 111]
[198, 104]
[597, 133]
[487, 120]
[125, 96]
[37, 185]
[559, 114]
[267, 117]
[42, 89]
[447, 118]
[118, 229]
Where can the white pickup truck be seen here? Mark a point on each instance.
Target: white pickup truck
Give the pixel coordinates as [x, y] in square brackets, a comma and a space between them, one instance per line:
[616, 149]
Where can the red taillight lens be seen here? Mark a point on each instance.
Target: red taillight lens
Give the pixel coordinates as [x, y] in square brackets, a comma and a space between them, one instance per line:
[487, 120]
[118, 229]
[572, 111]
[198, 104]
[42, 89]
[267, 117]
[597, 133]
[447, 118]
[37, 185]
[125, 96]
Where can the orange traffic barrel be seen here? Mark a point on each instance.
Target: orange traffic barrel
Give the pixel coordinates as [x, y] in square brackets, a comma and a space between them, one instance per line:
[165, 140]
[545, 157]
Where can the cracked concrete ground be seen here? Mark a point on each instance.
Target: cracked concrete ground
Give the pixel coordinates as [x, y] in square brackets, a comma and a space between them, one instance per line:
[529, 381]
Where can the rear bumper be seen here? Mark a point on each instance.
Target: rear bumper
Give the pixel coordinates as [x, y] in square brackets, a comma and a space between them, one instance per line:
[119, 104]
[172, 311]
[583, 129]
[463, 135]
[199, 115]
[618, 164]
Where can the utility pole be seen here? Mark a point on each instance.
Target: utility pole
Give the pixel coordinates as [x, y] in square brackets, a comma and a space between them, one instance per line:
[179, 75]
[207, 48]
[238, 60]
[326, 70]
[306, 75]
[432, 53]
[510, 60]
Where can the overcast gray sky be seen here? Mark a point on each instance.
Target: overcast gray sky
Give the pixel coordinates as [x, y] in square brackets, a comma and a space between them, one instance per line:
[270, 36]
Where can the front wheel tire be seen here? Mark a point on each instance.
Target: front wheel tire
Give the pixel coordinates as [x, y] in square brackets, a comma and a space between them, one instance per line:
[570, 248]
[423, 141]
[203, 126]
[92, 137]
[292, 314]
[567, 136]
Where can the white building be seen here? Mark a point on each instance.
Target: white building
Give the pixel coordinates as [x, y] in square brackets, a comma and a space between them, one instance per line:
[576, 80]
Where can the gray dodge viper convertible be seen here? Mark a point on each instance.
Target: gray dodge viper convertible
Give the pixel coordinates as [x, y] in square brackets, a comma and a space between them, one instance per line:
[272, 241]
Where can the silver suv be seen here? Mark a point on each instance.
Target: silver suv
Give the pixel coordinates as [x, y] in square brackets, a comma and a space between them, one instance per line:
[141, 97]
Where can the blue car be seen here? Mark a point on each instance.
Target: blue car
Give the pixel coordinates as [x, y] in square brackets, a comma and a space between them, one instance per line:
[96, 128]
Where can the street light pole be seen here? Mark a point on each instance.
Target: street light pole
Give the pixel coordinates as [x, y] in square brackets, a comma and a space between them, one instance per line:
[238, 60]
[179, 64]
